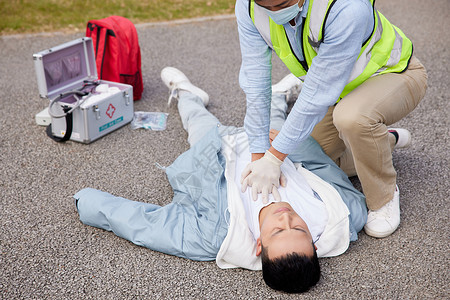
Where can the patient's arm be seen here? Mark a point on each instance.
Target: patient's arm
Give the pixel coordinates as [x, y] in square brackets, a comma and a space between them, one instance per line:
[161, 228]
[314, 159]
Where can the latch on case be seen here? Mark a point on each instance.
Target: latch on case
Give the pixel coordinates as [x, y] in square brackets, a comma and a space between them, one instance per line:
[127, 98]
[97, 112]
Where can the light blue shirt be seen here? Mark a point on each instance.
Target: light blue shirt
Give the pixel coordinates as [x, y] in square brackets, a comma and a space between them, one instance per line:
[348, 26]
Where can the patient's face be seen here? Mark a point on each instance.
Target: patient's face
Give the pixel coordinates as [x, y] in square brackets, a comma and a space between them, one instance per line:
[283, 231]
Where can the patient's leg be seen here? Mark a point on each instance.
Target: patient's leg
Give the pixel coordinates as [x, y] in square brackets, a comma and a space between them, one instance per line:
[192, 102]
[278, 109]
[285, 90]
[197, 120]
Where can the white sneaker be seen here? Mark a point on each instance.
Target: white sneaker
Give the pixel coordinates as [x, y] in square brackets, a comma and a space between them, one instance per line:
[404, 137]
[384, 221]
[289, 85]
[175, 80]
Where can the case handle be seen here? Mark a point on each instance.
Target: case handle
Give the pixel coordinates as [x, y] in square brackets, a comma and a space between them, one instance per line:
[69, 127]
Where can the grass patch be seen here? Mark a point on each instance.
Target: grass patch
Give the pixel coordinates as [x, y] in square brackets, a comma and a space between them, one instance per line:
[28, 16]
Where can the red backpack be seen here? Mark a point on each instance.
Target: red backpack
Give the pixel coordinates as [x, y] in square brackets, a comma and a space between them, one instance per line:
[117, 51]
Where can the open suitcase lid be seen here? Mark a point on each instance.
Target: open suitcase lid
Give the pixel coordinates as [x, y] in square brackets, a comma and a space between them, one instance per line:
[65, 67]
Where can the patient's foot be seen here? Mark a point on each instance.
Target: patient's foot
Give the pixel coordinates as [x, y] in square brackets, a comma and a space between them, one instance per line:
[175, 80]
[384, 221]
[289, 85]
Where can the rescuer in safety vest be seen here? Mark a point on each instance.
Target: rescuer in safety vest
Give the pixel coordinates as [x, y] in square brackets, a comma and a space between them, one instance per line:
[360, 76]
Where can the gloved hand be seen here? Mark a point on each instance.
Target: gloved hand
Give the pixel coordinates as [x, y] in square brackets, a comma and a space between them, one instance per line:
[263, 176]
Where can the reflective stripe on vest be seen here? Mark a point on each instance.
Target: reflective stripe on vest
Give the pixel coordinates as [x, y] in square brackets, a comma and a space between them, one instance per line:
[387, 49]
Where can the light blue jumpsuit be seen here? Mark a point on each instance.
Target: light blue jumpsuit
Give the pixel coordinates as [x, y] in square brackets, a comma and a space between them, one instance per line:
[195, 224]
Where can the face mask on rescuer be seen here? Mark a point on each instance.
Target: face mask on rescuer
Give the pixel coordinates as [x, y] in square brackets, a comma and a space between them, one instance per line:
[284, 15]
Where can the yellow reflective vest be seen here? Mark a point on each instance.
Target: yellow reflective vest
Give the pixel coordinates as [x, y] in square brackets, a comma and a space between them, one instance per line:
[387, 50]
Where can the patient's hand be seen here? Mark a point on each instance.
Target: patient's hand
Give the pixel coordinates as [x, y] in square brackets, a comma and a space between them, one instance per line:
[273, 134]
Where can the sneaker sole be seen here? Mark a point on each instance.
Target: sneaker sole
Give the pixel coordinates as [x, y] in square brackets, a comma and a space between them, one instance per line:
[377, 234]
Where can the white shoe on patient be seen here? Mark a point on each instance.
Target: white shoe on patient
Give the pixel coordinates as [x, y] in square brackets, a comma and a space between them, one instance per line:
[384, 221]
[175, 80]
[289, 85]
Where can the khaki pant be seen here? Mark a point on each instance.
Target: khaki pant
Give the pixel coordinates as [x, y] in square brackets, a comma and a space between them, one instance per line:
[354, 132]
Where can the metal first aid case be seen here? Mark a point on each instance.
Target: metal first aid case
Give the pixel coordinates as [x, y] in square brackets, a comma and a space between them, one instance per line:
[67, 76]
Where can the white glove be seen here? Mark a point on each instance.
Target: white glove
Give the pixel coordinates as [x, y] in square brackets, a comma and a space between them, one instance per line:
[263, 176]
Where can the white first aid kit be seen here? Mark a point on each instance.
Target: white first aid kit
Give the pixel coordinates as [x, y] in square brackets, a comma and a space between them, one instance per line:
[82, 108]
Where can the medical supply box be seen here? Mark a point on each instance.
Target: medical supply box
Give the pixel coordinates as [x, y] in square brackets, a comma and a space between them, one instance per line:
[91, 108]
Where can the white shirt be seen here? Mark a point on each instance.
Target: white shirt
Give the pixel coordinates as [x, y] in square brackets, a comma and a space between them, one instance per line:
[239, 246]
[298, 193]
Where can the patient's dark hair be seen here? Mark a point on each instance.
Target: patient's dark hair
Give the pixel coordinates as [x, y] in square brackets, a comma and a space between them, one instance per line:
[291, 273]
